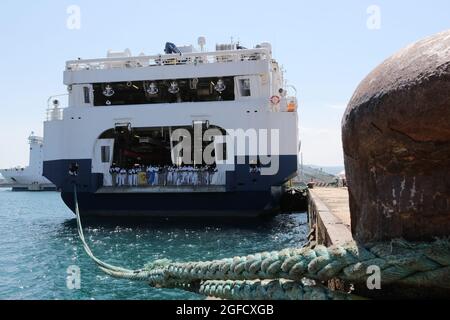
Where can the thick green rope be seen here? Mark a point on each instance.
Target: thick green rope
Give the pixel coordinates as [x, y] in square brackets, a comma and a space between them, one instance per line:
[418, 264]
[269, 290]
[279, 289]
[399, 261]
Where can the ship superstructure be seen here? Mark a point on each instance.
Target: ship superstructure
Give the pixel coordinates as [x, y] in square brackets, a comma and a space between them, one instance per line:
[119, 138]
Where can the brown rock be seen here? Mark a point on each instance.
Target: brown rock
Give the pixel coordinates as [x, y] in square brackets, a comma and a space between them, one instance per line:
[396, 135]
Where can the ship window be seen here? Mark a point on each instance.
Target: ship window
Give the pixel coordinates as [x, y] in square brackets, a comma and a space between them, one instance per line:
[244, 87]
[164, 91]
[86, 92]
[106, 154]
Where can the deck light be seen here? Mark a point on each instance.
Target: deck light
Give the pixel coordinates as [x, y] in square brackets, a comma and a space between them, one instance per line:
[174, 88]
[152, 89]
[109, 91]
[220, 86]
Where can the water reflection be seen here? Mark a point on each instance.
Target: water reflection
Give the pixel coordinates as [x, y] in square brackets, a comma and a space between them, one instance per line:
[39, 241]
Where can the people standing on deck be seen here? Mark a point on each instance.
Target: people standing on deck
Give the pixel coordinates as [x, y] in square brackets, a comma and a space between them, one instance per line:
[169, 176]
[165, 175]
[117, 170]
[130, 177]
[156, 179]
[182, 175]
[152, 175]
[194, 176]
[122, 177]
[141, 175]
[187, 176]
[205, 175]
[135, 175]
[114, 175]
[175, 173]
[215, 176]
[149, 175]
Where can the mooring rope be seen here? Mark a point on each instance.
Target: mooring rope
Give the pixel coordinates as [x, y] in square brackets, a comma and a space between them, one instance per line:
[418, 264]
[398, 261]
[269, 290]
[100, 263]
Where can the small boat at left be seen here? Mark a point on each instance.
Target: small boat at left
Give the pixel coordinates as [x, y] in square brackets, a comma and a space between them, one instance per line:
[28, 178]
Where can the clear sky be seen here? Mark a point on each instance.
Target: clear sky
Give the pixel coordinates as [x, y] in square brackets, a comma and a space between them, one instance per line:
[327, 48]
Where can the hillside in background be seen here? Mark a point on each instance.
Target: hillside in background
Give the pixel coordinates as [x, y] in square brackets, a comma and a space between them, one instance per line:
[318, 174]
[335, 170]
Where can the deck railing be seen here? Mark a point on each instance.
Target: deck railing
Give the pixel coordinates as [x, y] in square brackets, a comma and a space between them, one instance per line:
[55, 110]
[178, 178]
[194, 58]
[54, 114]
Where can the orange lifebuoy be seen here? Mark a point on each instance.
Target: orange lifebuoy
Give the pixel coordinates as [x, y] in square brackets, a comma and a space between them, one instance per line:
[275, 99]
[292, 107]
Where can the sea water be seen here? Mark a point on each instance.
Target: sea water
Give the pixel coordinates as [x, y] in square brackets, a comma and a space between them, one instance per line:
[39, 248]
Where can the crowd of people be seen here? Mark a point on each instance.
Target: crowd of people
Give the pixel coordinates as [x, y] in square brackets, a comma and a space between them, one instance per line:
[139, 175]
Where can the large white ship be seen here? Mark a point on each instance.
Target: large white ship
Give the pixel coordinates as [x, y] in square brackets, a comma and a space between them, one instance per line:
[28, 178]
[130, 114]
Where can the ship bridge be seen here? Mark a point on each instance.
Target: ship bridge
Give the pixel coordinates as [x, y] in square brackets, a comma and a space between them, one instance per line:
[231, 73]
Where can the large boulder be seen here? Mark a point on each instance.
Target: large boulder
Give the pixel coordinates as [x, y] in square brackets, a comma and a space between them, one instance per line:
[396, 135]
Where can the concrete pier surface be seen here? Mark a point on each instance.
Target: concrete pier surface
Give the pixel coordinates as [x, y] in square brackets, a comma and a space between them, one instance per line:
[329, 215]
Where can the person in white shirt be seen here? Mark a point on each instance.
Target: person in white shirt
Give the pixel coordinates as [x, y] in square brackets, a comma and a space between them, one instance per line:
[135, 176]
[174, 175]
[155, 176]
[113, 173]
[122, 177]
[130, 177]
[194, 176]
[117, 171]
[180, 176]
[169, 176]
[149, 175]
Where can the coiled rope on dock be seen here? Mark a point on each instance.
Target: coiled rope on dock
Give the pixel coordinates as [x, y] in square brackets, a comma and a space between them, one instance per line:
[280, 273]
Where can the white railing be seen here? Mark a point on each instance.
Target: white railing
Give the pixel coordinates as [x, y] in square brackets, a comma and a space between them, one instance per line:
[55, 114]
[170, 59]
[55, 111]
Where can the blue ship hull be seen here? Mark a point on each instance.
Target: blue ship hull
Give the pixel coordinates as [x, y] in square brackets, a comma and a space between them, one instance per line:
[180, 205]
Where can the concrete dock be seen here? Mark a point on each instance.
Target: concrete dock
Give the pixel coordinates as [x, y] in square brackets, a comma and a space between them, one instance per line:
[329, 215]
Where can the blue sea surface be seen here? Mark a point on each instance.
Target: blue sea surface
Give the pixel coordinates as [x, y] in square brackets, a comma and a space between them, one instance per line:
[39, 242]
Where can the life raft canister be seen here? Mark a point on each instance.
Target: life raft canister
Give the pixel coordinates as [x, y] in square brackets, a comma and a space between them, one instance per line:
[275, 100]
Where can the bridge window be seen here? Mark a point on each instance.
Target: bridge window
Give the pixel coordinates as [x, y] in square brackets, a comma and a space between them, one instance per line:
[244, 87]
[164, 91]
[87, 98]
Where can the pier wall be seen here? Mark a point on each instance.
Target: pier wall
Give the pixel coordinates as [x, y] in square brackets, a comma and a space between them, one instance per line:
[329, 216]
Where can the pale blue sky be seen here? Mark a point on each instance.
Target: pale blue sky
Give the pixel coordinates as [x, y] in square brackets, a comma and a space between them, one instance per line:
[325, 46]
